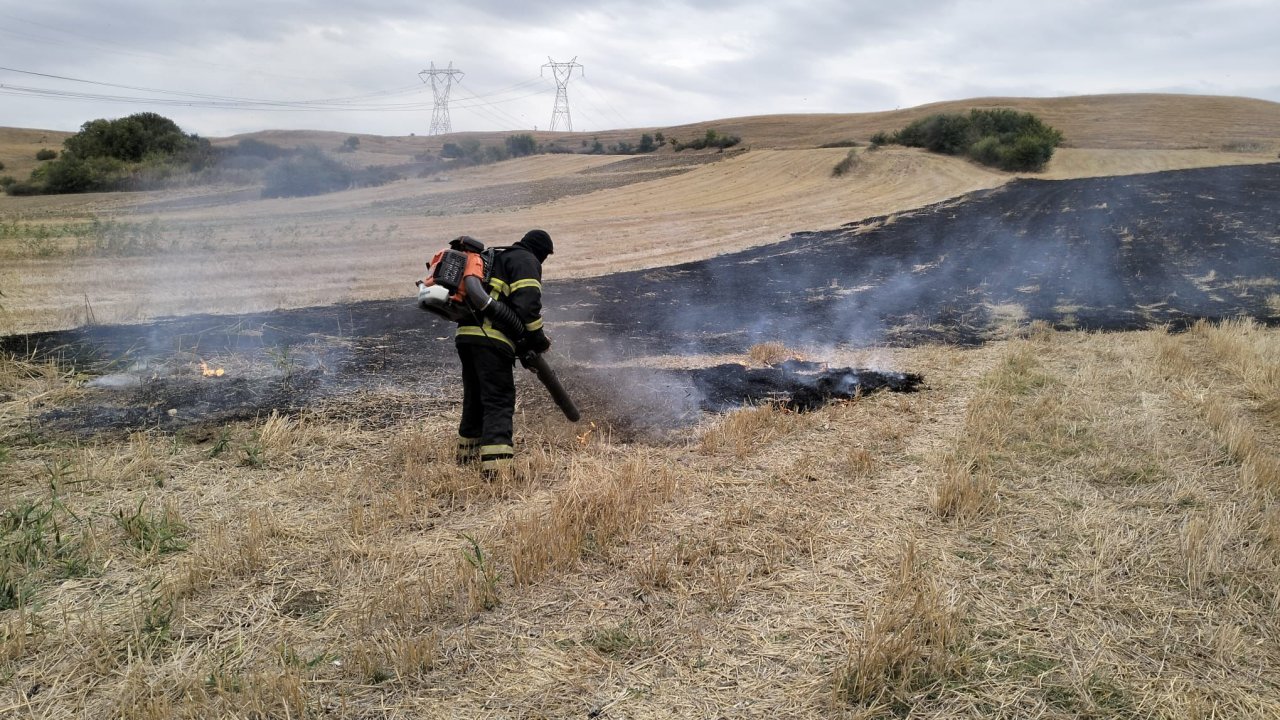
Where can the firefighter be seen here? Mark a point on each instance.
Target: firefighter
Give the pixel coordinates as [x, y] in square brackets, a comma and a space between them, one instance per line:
[488, 355]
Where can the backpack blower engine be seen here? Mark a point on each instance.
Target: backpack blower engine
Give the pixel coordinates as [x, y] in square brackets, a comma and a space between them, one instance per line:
[454, 289]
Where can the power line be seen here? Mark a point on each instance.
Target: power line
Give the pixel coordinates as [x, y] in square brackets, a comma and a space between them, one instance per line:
[488, 104]
[626, 122]
[441, 82]
[562, 72]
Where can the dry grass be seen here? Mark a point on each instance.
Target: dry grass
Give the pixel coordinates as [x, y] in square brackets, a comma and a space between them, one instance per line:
[1061, 526]
[18, 148]
[770, 353]
[910, 644]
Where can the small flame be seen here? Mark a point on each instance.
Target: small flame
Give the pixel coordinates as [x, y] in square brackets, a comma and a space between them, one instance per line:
[207, 371]
[585, 437]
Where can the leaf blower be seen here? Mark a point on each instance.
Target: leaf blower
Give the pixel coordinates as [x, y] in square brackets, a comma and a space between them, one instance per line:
[454, 289]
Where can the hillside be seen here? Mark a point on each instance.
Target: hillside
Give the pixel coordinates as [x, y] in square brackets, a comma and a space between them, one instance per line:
[18, 148]
[222, 249]
[1111, 122]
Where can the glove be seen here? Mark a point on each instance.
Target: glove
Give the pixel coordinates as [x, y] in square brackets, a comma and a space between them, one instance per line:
[537, 341]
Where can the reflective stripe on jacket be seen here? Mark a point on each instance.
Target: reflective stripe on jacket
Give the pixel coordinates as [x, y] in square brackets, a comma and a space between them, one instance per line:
[517, 281]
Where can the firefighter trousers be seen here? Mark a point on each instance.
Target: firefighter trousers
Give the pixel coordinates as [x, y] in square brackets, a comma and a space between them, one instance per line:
[488, 404]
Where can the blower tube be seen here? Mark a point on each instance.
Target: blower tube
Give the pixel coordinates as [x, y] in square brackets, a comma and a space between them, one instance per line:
[506, 318]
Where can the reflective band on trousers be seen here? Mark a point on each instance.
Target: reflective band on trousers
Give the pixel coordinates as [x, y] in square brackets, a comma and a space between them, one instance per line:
[495, 452]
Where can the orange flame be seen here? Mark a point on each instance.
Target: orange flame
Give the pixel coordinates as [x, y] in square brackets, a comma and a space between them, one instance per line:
[207, 371]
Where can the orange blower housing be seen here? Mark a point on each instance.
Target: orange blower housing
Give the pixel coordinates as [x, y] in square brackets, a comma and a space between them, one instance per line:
[444, 290]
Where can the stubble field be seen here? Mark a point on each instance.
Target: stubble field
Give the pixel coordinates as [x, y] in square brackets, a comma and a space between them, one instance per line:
[1058, 522]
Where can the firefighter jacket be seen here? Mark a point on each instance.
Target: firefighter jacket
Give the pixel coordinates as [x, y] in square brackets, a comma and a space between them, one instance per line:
[517, 281]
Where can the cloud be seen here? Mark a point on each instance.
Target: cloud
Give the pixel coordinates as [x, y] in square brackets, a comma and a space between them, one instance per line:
[655, 63]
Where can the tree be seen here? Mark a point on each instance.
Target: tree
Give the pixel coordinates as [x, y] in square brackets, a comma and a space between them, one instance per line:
[351, 144]
[646, 144]
[130, 138]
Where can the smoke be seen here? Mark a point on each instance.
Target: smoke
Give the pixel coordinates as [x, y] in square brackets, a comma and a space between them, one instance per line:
[1103, 254]
[1106, 253]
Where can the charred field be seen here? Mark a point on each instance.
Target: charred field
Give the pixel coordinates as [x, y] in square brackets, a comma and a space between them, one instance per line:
[1121, 253]
[888, 470]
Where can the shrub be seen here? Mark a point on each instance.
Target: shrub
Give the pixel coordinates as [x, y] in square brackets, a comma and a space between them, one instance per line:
[73, 174]
[1002, 138]
[881, 138]
[492, 154]
[846, 164]
[840, 144]
[7, 180]
[24, 188]
[1, 166]
[646, 144]
[941, 133]
[351, 144]
[310, 172]
[710, 139]
[142, 150]
[376, 175]
[521, 145]
[131, 138]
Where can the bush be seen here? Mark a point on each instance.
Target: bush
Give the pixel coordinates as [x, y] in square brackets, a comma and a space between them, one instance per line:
[139, 151]
[711, 139]
[24, 188]
[948, 134]
[840, 144]
[7, 180]
[72, 174]
[375, 175]
[1001, 138]
[310, 172]
[351, 144]
[846, 164]
[646, 144]
[521, 145]
[131, 138]
[1, 166]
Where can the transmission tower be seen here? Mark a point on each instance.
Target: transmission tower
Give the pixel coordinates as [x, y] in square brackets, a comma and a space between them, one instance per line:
[441, 82]
[562, 71]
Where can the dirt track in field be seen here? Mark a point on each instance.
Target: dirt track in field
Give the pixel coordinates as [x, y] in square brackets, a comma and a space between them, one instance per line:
[1107, 253]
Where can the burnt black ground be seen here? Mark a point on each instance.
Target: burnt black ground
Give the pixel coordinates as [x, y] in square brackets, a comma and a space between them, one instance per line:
[1116, 253]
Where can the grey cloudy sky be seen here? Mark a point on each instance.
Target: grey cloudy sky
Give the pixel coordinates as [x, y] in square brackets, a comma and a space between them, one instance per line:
[651, 63]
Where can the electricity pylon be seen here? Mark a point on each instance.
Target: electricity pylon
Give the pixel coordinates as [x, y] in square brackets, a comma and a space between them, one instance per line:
[441, 82]
[562, 72]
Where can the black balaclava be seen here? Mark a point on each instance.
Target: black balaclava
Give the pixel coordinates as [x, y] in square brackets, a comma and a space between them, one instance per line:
[537, 242]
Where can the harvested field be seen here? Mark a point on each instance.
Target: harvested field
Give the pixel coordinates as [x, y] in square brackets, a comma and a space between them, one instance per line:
[1014, 455]
[221, 249]
[1100, 254]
